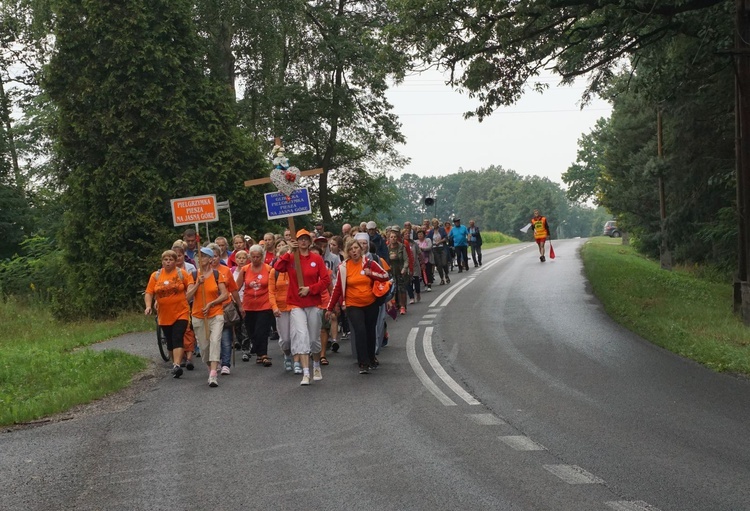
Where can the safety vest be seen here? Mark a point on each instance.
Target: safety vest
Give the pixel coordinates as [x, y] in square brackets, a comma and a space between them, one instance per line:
[539, 230]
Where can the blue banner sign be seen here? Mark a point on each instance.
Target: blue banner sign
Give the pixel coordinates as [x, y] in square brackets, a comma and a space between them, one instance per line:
[279, 205]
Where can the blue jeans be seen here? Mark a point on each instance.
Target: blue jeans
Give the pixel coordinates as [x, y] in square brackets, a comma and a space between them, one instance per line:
[227, 336]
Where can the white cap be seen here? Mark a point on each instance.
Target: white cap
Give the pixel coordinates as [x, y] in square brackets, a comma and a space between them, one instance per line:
[372, 225]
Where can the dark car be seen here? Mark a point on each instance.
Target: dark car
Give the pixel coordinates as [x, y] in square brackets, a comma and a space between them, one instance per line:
[611, 230]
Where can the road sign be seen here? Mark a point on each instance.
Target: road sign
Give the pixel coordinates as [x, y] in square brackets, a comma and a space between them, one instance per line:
[279, 205]
[192, 210]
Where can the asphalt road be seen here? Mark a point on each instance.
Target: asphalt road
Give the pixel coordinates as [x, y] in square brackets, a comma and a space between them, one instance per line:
[510, 389]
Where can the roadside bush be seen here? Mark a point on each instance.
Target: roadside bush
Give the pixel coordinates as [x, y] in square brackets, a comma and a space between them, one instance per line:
[37, 275]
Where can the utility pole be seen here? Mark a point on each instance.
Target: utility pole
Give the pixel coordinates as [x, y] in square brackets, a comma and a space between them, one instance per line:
[665, 257]
[742, 111]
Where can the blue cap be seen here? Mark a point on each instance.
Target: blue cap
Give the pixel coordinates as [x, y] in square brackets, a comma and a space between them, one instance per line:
[207, 251]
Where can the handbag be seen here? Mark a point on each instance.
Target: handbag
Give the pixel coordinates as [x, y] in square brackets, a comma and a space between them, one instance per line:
[231, 315]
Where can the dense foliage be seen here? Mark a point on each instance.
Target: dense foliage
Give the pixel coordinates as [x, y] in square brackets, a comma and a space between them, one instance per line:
[497, 199]
[138, 123]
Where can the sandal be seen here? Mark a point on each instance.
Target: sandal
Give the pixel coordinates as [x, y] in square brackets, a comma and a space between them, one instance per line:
[266, 361]
[323, 361]
[259, 360]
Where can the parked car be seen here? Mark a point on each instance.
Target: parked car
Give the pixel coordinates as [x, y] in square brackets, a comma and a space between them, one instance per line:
[611, 230]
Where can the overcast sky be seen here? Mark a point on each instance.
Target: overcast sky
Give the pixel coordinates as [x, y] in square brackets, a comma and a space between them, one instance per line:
[538, 136]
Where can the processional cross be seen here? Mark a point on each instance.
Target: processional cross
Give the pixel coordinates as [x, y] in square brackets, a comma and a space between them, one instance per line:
[286, 180]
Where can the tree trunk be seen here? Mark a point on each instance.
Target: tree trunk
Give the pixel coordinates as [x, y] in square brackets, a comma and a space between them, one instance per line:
[8, 126]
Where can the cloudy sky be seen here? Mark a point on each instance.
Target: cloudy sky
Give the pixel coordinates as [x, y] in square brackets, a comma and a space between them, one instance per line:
[538, 136]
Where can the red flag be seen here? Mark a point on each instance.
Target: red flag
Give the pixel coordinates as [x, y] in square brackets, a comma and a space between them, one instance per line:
[551, 251]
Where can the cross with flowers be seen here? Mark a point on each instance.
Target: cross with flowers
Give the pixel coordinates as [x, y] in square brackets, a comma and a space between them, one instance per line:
[286, 179]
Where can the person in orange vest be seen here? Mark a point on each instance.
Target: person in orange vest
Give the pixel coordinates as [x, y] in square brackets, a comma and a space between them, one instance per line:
[541, 232]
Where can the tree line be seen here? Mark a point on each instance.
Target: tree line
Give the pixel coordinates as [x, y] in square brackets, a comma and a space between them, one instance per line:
[108, 109]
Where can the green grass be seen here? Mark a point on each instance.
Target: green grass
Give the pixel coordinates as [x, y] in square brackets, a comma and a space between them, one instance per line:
[40, 374]
[676, 310]
[492, 239]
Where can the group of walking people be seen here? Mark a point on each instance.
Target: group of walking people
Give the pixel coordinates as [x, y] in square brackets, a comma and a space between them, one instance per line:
[307, 291]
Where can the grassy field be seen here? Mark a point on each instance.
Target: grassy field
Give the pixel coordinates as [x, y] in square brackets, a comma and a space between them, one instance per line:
[676, 310]
[492, 239]
[41, 374]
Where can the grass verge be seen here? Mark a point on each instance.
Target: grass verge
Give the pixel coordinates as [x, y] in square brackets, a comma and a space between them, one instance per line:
[41, 374]
[492, 239]
[675, 310]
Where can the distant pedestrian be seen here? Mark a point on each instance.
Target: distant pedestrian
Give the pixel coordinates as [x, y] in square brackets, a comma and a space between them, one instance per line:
[475, 242]
[541, 232]
[460, 234]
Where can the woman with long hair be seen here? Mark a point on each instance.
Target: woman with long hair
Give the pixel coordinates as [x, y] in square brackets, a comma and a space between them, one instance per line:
[399, 261]
[354, 287]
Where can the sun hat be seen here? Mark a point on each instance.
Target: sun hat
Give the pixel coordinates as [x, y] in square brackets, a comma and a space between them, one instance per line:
[362, 236]
[372, 225]
[207, 251]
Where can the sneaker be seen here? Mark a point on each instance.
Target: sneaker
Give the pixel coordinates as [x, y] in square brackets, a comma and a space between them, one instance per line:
[334, 346]
[419, 297]
[213, 381]
[403, 311]
[274, 336]
[541, 258]
[197, 352]
[447, 280]
[363, 369]
[429, 288]
[225, 370]
[176, 371]
[189, 365]
[317, 374]
[245, 357]
[237, 345]
[182, 364]
[297, 368]
[385, 341]
[305, 380]
[411, 302]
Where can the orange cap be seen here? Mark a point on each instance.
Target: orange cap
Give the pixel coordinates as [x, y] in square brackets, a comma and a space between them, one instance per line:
[303, 232]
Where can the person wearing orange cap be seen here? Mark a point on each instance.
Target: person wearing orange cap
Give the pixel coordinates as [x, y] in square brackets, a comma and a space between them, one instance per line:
[305, 318]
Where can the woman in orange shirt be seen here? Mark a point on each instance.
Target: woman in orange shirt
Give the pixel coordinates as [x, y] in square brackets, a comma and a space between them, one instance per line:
[257, 305]
[278, 285]
[169, 286]
[208, 294]
[354, 285]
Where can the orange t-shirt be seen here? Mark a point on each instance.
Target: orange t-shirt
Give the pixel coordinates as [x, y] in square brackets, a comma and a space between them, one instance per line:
[212, 293]
[325, 295]
[278, 285]
[358, 286]
[228, 281]
[256, 293]
[169, 291]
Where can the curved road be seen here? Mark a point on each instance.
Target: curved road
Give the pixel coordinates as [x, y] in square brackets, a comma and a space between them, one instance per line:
[510, 389]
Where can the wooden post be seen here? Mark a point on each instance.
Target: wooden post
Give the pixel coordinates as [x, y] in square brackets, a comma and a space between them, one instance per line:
[664, 255]
[292, 229]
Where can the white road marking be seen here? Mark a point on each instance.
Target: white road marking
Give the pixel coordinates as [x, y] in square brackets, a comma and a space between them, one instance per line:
[630, 505]
[455, 387]
[457, 290]
[486, 419]
[424, 323]
[411, 353]
[573, 474]
[522, 443]
[495, 261]
[429, 316]
[436, 311]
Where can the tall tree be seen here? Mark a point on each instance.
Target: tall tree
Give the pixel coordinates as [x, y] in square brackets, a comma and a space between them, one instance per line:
[139, 123]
